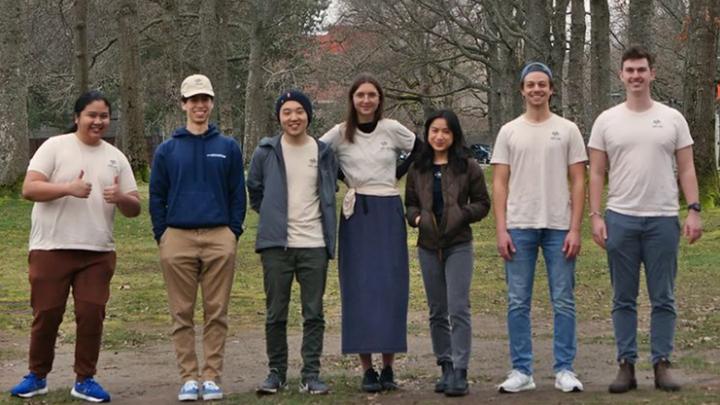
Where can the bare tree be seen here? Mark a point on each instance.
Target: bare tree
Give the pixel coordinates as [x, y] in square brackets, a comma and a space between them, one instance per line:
[641, 18]
[13, 93]
[557, 55]
[537, 29]
[576, 65]
[214, 39]
[132, 135]
[600, 57]
[80, 11]
[700, 72]
[173, 62]
[256, 114]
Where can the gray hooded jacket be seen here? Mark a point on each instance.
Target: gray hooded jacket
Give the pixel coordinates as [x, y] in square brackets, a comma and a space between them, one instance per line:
[267, 186]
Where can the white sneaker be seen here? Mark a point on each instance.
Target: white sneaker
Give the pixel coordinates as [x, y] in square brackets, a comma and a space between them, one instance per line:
[189, 391]
[567, 381]
[517, 381]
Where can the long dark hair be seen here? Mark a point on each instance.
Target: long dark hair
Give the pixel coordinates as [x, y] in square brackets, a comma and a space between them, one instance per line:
[458, 153]
[83, 101]
[351, 119]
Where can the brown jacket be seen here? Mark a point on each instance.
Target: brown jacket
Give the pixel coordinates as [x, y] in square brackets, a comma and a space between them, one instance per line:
[465, 200]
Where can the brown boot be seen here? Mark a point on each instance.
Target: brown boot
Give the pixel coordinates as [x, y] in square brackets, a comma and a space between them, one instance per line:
[625, 379]
[663, 377]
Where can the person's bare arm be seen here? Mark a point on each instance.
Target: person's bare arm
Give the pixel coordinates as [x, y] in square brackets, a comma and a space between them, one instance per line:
[38, 188]
[501, 179]
[598, 166]
[692, 229]
[572, 243]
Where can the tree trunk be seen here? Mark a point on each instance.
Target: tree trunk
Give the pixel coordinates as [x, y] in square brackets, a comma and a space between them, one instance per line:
[132, 135]
[80, 10]
[600, 57]
[576, 66]
[641, 18]
[13, 93]
[557, 54]
[537, 31]
[699, 94]
[214, 38]
[256, 110]
[174, 116]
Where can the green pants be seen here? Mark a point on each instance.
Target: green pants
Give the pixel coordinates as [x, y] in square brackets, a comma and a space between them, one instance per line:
[309, 267]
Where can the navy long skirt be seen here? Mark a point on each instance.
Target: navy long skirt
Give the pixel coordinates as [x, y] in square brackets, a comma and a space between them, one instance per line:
[373, 269]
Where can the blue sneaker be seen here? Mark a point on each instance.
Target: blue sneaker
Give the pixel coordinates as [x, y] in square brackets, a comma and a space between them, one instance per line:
[211, 391]
[90, 390]
[189, 391]
[30, 386]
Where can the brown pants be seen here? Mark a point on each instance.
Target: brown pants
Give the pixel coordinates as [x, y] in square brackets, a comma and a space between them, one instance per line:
[205, 258]
[52, 273]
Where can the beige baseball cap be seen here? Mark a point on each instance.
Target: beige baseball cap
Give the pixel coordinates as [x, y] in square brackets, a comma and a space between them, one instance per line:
[196, 84]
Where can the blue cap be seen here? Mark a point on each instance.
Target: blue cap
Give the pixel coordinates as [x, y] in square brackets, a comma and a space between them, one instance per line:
[535, 67]
[294, 95]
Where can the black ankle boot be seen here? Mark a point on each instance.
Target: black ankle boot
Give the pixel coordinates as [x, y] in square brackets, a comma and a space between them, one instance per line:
[387, 379]
[447, 371]
[458, 385]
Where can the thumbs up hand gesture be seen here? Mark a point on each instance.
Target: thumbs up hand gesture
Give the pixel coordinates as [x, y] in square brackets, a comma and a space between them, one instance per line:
[112, 194]
[80, 188]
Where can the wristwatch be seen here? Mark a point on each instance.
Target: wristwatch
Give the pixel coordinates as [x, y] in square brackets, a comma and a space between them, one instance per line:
[694, 206]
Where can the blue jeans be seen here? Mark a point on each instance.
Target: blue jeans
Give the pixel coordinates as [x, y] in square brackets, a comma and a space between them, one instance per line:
[652, 241]
[520, 274]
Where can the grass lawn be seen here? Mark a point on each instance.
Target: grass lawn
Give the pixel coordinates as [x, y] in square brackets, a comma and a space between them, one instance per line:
[137, 312]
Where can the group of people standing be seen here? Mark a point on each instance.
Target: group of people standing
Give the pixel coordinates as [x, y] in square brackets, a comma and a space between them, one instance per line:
[198, 206]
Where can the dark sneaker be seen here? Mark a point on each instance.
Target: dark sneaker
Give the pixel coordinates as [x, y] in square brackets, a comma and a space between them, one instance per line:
[370, 382]
[314, 385]
[30, 386]
[89, 390]
[272, 384]
[387, 379]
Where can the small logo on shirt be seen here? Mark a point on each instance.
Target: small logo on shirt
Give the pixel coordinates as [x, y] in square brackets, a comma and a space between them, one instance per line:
[216, 155]
[657, 123]
[113, 164]
[555, 136]
[312, 163]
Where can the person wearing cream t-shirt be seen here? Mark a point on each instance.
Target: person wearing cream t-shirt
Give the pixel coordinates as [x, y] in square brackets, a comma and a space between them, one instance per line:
[291, 182]
[77, 181]
[538, 194]
[643, 142]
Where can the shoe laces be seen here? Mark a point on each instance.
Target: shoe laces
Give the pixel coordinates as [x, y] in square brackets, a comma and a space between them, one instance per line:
[566, 373]
[190, 385]
[90, 382]
[515, 374]
[210, 385]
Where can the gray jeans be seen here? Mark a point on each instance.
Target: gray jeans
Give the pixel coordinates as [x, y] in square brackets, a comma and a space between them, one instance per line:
[652, 241]
[447, 275]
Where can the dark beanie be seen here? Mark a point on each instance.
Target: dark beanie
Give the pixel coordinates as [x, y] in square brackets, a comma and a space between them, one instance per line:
[294, 95]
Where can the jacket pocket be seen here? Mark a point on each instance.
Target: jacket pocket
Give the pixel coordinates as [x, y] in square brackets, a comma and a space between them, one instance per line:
[455, 220]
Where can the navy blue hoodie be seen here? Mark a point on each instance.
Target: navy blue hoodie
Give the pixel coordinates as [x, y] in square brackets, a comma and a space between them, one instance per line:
[197, 181]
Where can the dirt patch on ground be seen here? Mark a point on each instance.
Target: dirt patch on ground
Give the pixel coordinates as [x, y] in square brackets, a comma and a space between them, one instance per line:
[149, 375]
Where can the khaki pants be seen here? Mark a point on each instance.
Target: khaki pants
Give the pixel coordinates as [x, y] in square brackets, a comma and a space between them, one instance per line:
[205, 258]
